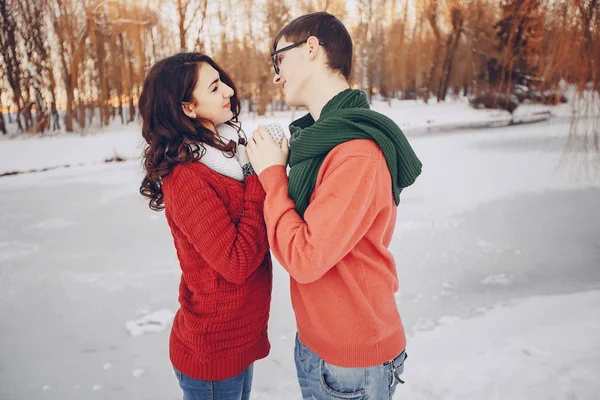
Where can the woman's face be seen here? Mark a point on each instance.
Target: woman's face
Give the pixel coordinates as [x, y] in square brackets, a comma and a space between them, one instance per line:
[211, 97]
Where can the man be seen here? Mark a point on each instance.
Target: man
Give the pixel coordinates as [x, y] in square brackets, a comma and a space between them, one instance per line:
[330, 223]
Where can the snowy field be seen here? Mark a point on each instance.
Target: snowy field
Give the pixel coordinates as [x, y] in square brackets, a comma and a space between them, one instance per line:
[497, 248]
[33, 152]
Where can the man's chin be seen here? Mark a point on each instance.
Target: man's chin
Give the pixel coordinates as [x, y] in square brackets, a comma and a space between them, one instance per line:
[290, 101]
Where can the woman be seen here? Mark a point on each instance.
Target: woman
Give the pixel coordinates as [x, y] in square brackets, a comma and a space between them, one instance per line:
[198, 172]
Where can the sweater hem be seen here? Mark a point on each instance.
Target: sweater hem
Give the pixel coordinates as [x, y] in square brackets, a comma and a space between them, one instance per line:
[216, 368]
[355, 355]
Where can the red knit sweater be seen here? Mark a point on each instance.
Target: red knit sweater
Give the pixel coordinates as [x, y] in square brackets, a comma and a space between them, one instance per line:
[225, 291]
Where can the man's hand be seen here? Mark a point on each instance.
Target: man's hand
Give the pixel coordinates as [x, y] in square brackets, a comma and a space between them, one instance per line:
[264, 152]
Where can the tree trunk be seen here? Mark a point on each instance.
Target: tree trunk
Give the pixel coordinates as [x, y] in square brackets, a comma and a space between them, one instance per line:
[263, 98]
[71, 40]
[53, 111]
[431, 78]
[153, 40]
[126, 85]
[98, 38]
[70, 105]
[414, 51]
[448, 65]
[2, 124]
[182, 6]
[120, 112]
[81, 114]
[131, 109]
[28, 104]
[27, 117]
[68, 82]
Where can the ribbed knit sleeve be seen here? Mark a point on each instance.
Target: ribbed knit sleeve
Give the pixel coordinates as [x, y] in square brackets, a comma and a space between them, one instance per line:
[335, 221]
[233, 250]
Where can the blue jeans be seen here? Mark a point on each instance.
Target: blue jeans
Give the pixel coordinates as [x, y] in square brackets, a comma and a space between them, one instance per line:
[322, 381]
[236, 388]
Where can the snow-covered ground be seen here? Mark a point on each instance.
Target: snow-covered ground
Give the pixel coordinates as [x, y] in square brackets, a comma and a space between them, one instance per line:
[35, 152]
[497, 248]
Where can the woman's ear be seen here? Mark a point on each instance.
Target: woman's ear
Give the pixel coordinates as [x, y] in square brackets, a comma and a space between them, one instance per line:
[187, 110]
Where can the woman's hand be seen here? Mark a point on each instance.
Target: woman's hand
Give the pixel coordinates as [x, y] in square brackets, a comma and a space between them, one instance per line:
[264, 152]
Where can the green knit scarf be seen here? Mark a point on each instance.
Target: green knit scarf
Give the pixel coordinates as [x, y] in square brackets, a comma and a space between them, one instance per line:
[346, 117]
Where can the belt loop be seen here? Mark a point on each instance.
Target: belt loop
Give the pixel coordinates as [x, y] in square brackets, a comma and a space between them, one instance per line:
[394, 369]
[397, 376]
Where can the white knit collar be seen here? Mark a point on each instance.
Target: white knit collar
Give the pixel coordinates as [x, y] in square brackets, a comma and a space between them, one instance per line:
[216, 160]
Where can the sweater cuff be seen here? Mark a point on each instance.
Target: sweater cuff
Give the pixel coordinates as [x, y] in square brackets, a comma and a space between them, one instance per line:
[272, 177]
[254, 190]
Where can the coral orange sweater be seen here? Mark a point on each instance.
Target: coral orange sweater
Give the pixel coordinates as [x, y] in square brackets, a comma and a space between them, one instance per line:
[225, 291]
[343, 277]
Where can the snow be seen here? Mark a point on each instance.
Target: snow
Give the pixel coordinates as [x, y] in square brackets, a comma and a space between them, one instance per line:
[536, 348]
[500, 279]
[496, 247]
[27, 153]
[138, 373]
[155, 322]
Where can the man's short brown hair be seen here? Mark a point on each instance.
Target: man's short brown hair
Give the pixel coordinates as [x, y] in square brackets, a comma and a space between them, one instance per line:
[329, 29]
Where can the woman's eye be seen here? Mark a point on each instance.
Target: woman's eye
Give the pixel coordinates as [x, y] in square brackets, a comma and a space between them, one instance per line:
[215, 89]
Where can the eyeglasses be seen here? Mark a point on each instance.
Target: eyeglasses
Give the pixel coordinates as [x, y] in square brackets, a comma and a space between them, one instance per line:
[274, 54]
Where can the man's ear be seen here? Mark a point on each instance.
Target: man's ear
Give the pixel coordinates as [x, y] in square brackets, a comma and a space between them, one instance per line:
[187, 110]
[313, 47]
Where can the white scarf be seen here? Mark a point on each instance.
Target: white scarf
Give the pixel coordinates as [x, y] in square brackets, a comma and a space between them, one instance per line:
[216, 160]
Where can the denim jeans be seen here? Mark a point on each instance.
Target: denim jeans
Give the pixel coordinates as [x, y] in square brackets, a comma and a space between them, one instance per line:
[322, 381]
[236, 388]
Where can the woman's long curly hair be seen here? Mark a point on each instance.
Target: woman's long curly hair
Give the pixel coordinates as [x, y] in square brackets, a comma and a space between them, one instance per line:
[172, 137]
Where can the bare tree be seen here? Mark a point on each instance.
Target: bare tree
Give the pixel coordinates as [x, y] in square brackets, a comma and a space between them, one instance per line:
[334, 7]
[399, 53]
[415, 62]
[375, 44]
[99, 34]
[479, 33]
[72, 32]
[102, 49]
[36, 35]
[187, 11]
[518, 35]
[589, 11]
[457, 18]
[365, 10]
[433, 12]
[277, 15]
[8, 47]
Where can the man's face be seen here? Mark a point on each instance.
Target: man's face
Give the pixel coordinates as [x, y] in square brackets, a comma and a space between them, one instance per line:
[293, 71]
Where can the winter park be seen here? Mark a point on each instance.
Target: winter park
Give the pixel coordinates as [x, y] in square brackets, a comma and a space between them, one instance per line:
[496, 245]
